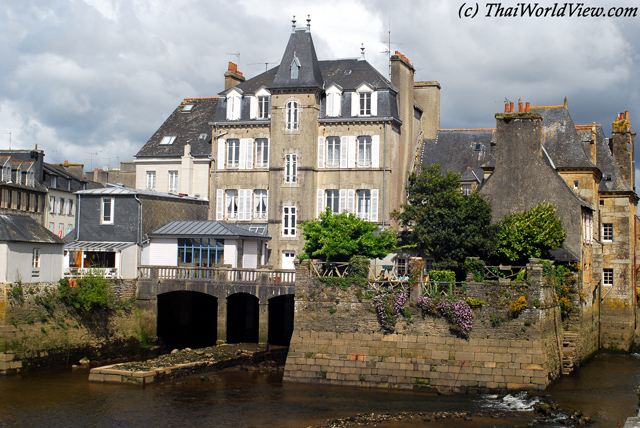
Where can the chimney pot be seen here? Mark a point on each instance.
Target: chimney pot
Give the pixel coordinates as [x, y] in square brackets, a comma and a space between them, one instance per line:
[510, 107]
[506, 107]
[527, 107]
[520, 109]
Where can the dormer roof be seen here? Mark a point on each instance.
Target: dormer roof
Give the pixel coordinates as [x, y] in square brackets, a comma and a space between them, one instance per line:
[301, 52]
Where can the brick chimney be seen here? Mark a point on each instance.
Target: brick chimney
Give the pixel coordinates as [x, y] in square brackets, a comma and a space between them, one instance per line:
[232, 77]
[622, 139]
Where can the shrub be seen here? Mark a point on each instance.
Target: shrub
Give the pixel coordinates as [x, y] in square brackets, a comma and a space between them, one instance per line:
[518, 306]
[442, 276]
[476, 267]
[91, 292]
[456, 311]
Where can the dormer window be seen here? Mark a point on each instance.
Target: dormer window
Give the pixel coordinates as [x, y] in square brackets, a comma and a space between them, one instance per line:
[167, 140]
[6, 173]
[187, 108]
[260, 105]
[295, 67]
[364, 101]
[203, 136]
[233, 105]
[334, 102]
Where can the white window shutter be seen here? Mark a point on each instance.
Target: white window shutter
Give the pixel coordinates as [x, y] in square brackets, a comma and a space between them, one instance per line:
[374, 103]
[321, 141]
[351, 163]
[351, 196]
[329, 107]
[375, 151]
[355, 104]
[248, 197]
[241, 198]
[337, 105]
[319, 201]
[269, 148]
[342, 204]
[229, 108]
[220, 205]
[344, 147]
[374, 205]
[266, 203]
[249, 164]
[253, 108]
[222, 153]
[242, 164]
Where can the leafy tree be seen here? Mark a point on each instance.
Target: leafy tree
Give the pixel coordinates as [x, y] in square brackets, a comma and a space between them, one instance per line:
[338, 237]
[531, 233]
[442, 221]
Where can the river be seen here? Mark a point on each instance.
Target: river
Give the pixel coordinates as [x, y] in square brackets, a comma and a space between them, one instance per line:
[605, 389]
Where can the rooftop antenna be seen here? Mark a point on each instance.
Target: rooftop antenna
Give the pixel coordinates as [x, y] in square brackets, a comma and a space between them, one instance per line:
[362, 51]
[308, 23]
[237, 55]
[266, 64]
[91, 158]
[388, 51]
[293, 24]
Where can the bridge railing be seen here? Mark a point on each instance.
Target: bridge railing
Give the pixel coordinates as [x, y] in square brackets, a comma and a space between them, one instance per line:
[276, 276]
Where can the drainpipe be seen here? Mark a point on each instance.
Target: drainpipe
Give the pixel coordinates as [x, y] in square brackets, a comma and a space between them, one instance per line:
[78, 216]
[139, 238]
[215, 170]
[384, 173]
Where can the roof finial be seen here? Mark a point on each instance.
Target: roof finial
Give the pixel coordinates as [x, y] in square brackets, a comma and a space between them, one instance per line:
[308, 23]
[362, 51]
[566, 102]
[293, 24]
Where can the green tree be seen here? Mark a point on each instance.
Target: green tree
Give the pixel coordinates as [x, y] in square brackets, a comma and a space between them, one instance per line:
[338, 237]
[531, 233]
[443, 222]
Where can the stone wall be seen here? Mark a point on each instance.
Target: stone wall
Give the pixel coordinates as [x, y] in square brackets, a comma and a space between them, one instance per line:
[38, 331]
[338, 340]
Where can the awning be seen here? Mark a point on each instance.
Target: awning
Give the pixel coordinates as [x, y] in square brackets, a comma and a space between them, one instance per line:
[98, 246]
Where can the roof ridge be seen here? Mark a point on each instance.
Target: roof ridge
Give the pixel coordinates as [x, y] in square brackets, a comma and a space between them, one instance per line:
[467, 129]
[201, 98]
[558, 106]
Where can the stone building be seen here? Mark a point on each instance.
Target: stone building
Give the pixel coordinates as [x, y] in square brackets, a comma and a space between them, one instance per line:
[310, 134]
[539, 155]
[21, 189]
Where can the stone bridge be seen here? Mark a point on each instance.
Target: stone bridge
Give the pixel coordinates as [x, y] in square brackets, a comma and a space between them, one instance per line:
[196, 307]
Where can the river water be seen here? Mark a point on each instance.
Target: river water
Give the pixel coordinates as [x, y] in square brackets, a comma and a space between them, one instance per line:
[605, 389]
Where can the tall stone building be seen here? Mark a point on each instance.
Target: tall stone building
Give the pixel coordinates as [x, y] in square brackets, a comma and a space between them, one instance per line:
[311, 134]
[539, 155]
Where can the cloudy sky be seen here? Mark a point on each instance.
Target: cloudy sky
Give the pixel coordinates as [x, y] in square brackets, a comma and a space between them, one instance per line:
[90, 81]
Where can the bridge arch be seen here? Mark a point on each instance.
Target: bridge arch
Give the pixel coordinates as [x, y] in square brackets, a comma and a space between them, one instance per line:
[281, 310]
[187, 319]
[243, 318]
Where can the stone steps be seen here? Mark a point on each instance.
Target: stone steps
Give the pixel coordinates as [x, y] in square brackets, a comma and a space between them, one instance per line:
[568, 351]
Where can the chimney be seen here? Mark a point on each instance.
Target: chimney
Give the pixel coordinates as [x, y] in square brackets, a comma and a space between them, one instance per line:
[232, 77]
[622, 144]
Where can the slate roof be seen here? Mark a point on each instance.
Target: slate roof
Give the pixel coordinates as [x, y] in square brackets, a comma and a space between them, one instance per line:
[462, 151]
[612, 180]
[210, 228]
[58, 171]
[187, 127]
[300, 49]
[120, 190]
[25, 229]
[561, 139]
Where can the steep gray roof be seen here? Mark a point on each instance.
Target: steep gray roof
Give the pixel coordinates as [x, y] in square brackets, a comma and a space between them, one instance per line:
[200, 228]
[561, 139]
[612, 180]
[187, 127]
[462, 151]
[300, 49]
[25, 229]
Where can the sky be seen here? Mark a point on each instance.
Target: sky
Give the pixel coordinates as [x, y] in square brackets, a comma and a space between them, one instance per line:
[90, 81]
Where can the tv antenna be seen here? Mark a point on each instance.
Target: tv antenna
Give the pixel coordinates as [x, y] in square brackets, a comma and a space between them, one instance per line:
[237, 55]
[91, 158]
[266, 64]
[388, 51]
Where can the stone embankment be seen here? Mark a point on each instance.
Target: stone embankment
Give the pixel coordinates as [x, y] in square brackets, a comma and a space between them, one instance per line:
[186, 362]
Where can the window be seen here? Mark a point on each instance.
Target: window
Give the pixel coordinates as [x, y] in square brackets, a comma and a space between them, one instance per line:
[35, 260]
[289, 221]
[52, 226]
[332, 200]
[52, 205]
[365, 103]
[69, 228]
[200, 252]
[263, 107]
[363, 198]
[466, 189]
[333, 152]
[233, 105]
[576, 184]
[334, 102]
[295, 67]
[477, 147]
[607, 231]
[607, 277]
[167, 140]
[187, 108]
[602, 202]
[60, 230]
[151, 180]
[231, 204]
[233, 153]
[587, 227]
[292, 116]
[401, 266]
[6, 173]
[106, 214]
[262, 153]
[290, 168]
[18, 200]
[61, 206]
[31, 181]
[70, 207]
[260, 204]
[173, 181]
[364, 151]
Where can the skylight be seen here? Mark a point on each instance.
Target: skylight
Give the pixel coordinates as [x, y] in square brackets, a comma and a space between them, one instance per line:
[203, 136]
[187, 108]
[478, 147]
[168, 140]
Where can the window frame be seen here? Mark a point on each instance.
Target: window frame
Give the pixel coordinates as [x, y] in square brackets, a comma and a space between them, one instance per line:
[263, 106]
[364, 103]
[607, 232]
[173, 181]
[35, 259]
[262, 153]
[607, 277]
[292, 115]
[151, 180]
[365, 147]
[231, 204]
[233, 148]
[289, 213]
[333, 150]
[290, 168]
[332, 197]
[260, 196]
[363, 204]
[103, 218]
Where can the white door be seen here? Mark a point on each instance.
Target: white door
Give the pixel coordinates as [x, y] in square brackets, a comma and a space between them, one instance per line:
[287, 259]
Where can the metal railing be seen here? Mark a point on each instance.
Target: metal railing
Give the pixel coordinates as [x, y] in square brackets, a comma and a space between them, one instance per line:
[252, 276]
[80, 272]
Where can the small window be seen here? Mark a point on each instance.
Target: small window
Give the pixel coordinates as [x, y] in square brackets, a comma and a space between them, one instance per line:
[364, 151]
[203, 136]
[332, 200]
[262, 153]
[61, 206]
[333, 152]
[365, 103]
[263, 107]
[295, 67]
[173, 181]
[52, 205]
[602, 202]
[607, 177]
[106, 214]
[151, 180]
[292, 116]
[347, 72]
[289, 221]
[187, 107]
[35, 260]
[233, 153]
[477, 147]
[231, 204]
[466, 189]
[363, 204]
[576, 184]
[167, 140]
[290, 168]
[607, 277]
[260, 204]
[607, 231]
[52, 226]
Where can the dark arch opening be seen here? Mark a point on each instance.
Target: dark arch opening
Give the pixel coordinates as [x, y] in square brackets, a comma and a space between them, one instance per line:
[242, 318]
[281, 310]
[187, 319]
